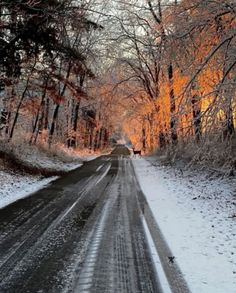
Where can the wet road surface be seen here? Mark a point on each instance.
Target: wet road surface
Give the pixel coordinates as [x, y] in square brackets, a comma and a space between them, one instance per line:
[83, 233]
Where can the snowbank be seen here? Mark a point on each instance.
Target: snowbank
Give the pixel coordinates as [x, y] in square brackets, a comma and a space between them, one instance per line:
[15, 186]
[197, 217]
[41, 160]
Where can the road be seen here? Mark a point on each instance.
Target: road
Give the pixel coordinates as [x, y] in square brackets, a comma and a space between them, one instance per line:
[83, 233]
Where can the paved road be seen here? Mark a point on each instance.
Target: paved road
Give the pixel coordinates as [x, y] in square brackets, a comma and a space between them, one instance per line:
[83, 233]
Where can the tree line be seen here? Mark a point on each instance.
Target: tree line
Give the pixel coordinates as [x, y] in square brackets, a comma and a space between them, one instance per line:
[47, 63]
[160, 71]
[179, 63]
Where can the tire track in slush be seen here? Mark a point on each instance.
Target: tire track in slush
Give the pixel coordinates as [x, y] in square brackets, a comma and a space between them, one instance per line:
[118, 257]
[91, 239]
[37, 234]
[86, 275]
[85, 280]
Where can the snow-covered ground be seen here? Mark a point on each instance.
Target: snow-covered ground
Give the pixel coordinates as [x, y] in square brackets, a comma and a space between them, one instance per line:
[197, 216]
[15, 185]
[63, 161]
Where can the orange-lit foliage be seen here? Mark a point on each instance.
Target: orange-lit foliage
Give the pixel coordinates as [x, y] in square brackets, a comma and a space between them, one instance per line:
[201, 49]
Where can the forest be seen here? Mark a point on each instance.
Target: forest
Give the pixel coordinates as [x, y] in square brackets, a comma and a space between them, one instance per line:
[81, 74]
[118, 146]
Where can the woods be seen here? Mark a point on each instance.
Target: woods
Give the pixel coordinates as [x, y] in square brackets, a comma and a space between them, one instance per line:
[46, 52]
[160, 72]
[117, 146]
[179, 61]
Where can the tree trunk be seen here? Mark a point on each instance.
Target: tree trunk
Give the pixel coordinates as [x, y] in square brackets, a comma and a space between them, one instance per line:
[173, 122]
[46, 114]
[151, 125]
[91, 139]
[3, 119]
[37, 120]
[86, 135]
[18, 109]
[54, 119]
[75, 115]
[196, 116]
[106, 138]
[8, 123]
[21, 101]
[229, 95]
[96, 140]
[100, 138]
[143, 136]
[229, 122]
[40, 124]
[162, 140]
[56, 110]
[35, 124]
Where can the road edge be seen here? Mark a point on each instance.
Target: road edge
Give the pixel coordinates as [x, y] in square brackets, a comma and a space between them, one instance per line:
[172, 270]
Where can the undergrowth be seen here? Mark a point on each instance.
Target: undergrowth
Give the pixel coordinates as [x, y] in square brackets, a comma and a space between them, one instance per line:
[214, 155]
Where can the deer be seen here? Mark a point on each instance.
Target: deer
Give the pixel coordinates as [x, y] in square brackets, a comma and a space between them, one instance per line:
[137, 152]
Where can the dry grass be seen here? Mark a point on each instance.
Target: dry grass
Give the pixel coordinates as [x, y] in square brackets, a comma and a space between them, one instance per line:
[213, 154]
[21, 157]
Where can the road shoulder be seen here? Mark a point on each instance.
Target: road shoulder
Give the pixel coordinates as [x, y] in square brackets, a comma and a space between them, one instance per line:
[199, 230]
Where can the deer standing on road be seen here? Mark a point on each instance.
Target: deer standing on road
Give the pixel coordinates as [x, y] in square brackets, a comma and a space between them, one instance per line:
[136, 152]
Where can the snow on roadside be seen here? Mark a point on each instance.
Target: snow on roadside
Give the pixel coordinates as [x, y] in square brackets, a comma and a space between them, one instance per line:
[41, 160]
[156, 260]
[196, 216]
[15, 186]
[90, 158]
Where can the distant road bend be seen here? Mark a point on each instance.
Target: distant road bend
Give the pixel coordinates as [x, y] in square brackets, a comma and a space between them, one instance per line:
[83, 233]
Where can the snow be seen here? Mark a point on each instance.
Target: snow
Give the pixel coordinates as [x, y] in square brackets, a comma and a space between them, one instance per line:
[58, 158]
[90, 157]
[15, 186]
[43, 160]
[157, 262]
[196, 214]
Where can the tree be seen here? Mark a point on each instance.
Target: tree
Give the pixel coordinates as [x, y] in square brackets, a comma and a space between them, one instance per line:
[53, 35]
